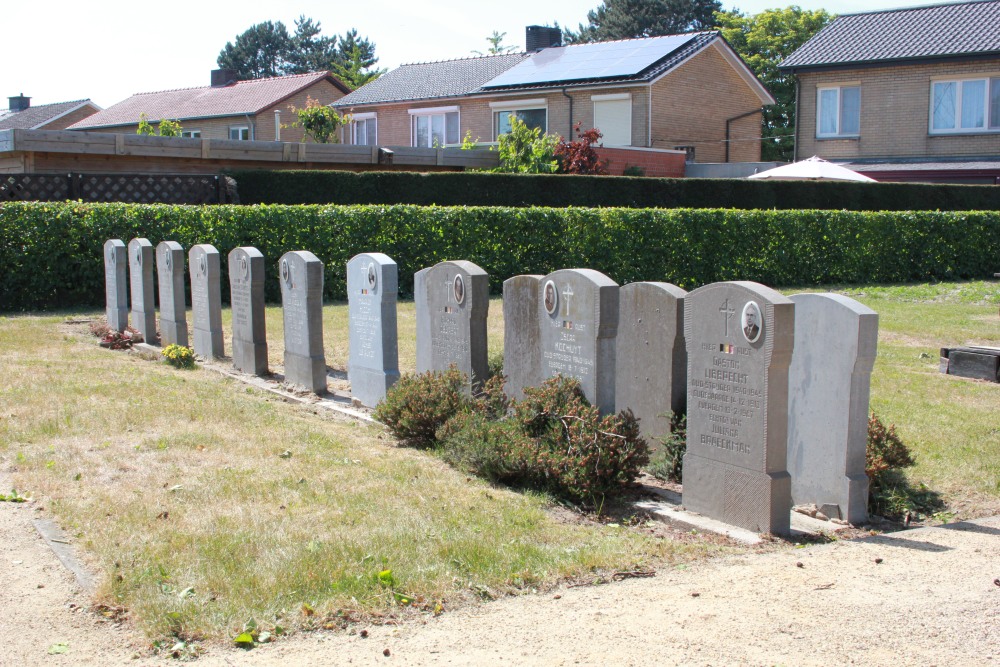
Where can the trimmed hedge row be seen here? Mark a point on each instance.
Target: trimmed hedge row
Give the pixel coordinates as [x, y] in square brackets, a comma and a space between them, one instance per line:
[51, 254]
[482, 189]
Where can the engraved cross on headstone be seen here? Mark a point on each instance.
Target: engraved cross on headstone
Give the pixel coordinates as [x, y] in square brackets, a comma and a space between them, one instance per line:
[449, 289]
[567, 293]
[728, 311]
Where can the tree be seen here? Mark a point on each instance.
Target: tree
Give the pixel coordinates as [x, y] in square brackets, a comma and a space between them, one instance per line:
[167, 127]
[625, 19]
[268, 49]
[497, 47]
[525, 150]
[318, 121]
[763, 41]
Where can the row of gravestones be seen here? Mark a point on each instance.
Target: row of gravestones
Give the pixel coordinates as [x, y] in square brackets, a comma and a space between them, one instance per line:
[764, 427]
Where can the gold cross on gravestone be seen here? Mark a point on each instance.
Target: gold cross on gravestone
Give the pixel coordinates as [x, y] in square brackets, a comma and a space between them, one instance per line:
[567, 293]
[728, 311]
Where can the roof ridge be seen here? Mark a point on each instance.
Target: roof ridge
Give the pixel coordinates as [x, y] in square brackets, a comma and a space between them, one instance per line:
[236, 83]
[466, 58]
[935, 5]
[692, 33]
[52, 104]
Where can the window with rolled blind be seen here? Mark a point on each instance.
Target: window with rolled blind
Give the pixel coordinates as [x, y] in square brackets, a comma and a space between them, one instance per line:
[613, 117]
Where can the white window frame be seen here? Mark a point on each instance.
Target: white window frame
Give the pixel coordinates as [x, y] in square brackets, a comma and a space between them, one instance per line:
[533, 104]
[434, 111]
[354, 126]
[191, 134]
[614, 97]
[989, 81]
[819, 107]
[240, 129]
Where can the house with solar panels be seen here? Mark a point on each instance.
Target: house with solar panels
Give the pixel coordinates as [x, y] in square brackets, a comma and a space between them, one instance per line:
[904, 94]
[689, 94]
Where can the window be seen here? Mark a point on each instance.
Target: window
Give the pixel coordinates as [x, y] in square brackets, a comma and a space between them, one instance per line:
[534, 113]
[191, 134]
[838, 112]
[613, 117]
[965, 105]
[363, 130]
[239, 133]
[434, 128]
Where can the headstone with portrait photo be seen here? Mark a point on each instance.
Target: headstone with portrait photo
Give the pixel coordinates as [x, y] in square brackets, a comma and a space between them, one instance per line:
[300, 273]
[206, 301]
[578, 325]
[521, 352]
[373, 362]
[829, 382]
[246, 285]
[116, 284]
[173, 312]
[457, 297]
[651, 367]
[739, 338]
[140, 265]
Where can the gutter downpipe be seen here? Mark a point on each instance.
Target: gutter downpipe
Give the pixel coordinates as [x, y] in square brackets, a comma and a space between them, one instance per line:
[729, 120]
[570, 98]
[795, 135]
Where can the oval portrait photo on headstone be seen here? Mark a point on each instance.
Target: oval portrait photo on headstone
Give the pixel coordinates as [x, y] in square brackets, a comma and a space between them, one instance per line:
[244, 267]
[372, 277]
[459, 289]
[551, 297]
[753, 322]
[286, 273]
[202, 265]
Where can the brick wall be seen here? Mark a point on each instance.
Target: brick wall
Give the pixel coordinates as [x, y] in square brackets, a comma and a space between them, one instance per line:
[654, 163]
[895, 113]
[692, 103]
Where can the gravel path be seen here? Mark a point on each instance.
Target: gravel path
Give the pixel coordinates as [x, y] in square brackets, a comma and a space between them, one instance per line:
[931, 600]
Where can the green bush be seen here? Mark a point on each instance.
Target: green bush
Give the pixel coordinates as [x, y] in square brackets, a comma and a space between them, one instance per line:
[495, 450]
[418, 405]
[488, 189]
[668, 463]
[52, 253]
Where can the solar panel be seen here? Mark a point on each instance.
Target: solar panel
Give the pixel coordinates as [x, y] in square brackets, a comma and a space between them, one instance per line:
[590, 61]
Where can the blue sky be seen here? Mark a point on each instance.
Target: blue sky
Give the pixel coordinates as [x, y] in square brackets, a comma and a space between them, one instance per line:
[111, 49]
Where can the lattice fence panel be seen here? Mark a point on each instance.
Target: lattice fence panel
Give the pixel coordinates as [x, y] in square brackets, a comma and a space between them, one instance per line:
[35, 187]
[125, 188]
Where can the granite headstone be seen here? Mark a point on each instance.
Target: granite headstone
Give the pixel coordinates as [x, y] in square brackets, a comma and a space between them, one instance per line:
[301, 276]
[578, 325]
[651, 370]
[173, 312]
[522, 355]
[458, 301]
[373, 362]
[423, 320]
[246, 285]
[739, 338]
[206, 300]
[116, 283]
[829, 382]
[140, 265]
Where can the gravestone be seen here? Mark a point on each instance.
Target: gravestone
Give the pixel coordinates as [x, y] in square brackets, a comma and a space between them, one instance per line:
[246, 285]
[828, 388]
[457, 302]
[170, 274]
[206, 300]
[423, 318]
[578, 324]
[373, 364]
[739, 338]
[522, 356]
[651, 367]
[301, 276]
[116, 284]
[140, 266]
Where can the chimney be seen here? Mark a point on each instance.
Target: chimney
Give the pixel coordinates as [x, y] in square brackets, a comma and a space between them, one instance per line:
[19, 103]
[223, 77]
[538, 37]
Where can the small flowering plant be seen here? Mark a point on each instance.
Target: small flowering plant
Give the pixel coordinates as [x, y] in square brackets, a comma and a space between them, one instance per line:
[178, 356]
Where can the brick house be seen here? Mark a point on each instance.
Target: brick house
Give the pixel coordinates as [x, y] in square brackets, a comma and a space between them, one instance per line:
[22, 116]
[227, 109]
[687, 93]
[904, 94]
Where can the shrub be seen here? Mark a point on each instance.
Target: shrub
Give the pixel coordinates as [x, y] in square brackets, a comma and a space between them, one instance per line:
[580, 157]
[178, 356]
[418, 405]
[526, 150]
[495, 450]
[668, 463]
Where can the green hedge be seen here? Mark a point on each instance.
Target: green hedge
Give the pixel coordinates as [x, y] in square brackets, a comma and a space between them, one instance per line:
[51, 254]
[481, 189]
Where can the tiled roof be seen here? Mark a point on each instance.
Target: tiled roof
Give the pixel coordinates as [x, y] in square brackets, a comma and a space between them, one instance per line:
[33, 117]
[240, 98]
[697, 42]
[427, 81]
[935, 31]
